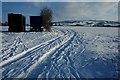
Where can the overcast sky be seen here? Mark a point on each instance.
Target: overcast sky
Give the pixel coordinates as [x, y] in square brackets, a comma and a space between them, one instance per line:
[65, 10]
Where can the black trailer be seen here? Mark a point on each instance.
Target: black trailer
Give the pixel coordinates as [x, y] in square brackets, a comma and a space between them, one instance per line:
[36, 23]
[16, 22]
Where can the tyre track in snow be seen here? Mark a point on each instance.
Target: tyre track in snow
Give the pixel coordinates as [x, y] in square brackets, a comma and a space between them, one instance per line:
[66, 61]
[46, 67]
[52, 65]
[63, 55]
[11, 64]
[60, 61]
[10, 46]
[15, 61]
[16, 43]
[33, 70]
[38, 62]
[33, 49]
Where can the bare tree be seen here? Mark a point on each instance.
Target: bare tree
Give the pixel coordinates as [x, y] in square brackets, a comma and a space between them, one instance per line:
[47, 18]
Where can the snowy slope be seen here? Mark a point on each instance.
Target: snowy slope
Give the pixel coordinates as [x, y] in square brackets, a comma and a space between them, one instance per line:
[65, 52]
[87, 23]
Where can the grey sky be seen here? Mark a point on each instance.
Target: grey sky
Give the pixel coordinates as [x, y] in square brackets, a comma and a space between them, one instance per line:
[67, 10]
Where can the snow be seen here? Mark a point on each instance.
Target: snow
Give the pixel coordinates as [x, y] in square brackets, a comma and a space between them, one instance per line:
[13, 58]
[87, 23]
[66, 52]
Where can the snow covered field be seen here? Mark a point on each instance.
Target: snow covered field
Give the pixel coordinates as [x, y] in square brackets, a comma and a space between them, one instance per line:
[66, 52]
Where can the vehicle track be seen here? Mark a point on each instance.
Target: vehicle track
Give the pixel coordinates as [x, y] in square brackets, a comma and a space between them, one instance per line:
[10, 48]
[36, 62]
[57, 51]
[17, 65]
[70, 55]
[54, 66]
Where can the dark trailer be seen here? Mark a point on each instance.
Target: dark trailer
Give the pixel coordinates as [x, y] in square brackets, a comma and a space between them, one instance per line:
[16, 22]
[36, 23]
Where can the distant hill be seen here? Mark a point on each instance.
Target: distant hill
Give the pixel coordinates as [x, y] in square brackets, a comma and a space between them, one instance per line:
[87, 23]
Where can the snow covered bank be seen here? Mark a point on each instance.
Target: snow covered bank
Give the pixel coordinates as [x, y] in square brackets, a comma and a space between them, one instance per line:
[76, 52]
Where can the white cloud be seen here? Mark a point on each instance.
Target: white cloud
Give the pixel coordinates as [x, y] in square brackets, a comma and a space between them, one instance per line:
[89, 10]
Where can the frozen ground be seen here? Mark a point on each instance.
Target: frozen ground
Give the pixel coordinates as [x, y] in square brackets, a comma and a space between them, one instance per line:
[66, 52]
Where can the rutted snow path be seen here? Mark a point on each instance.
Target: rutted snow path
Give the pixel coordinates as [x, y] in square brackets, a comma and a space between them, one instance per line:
[21, 55]
[66, 54]
[32, 57]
